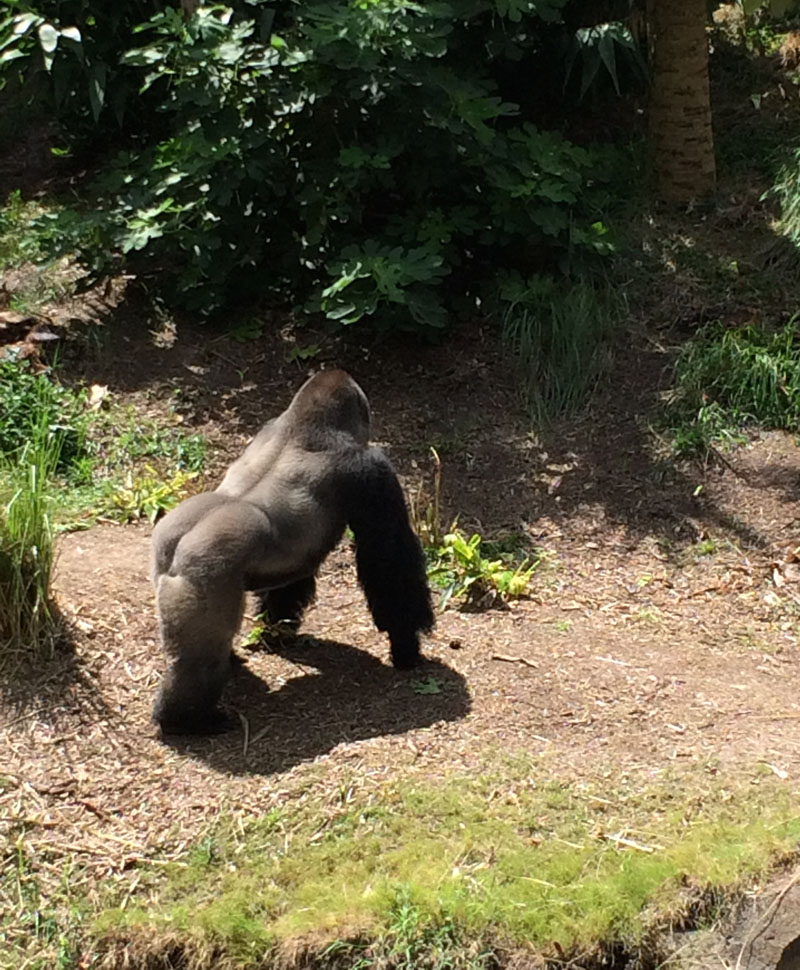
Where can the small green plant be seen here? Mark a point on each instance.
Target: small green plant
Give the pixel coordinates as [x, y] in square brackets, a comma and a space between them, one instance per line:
[427, 685]
[726, 380]
[477, 571]
[148, 495]
[558, 338]
[460, 568]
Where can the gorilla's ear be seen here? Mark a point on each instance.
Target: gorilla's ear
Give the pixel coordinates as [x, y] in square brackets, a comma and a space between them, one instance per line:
[389, 559]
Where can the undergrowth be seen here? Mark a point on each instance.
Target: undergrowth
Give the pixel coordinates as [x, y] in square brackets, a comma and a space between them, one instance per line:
[727, 380]
[422, 874]
[111, 463]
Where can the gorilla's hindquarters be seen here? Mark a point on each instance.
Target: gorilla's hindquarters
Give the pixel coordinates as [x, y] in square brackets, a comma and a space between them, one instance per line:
[197, 628]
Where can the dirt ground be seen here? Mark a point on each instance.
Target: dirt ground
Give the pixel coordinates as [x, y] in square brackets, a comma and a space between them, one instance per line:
[661, 630]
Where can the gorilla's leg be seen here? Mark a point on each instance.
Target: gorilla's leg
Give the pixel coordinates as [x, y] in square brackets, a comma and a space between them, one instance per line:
[200, 603]
[391, 567]
[198, 624]
[288, 603]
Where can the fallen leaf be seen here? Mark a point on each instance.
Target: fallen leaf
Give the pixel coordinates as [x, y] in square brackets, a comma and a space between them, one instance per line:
[97, 394]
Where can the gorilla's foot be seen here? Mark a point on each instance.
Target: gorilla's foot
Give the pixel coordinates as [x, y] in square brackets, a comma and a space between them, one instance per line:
[197, 723]
[405, 651]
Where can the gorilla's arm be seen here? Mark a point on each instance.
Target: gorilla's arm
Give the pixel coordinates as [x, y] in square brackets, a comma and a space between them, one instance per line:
[391, 567]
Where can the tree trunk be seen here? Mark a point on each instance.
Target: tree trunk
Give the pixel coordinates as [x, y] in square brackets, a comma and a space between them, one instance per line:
[681, 142]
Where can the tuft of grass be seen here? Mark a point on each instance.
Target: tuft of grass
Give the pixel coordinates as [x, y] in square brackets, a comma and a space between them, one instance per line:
[787, 191]
[558, 338]
[727, 380]
[419, 874]
[27, 621]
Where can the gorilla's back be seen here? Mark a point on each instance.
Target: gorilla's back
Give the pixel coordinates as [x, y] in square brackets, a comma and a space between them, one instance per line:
[258, 459]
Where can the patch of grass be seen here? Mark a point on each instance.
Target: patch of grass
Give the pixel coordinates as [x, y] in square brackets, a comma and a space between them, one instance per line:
[123, 436]
[38, 931]
[136, 467]
[787, 190]
[727, 380]
[422, 868]
[112, 464]
[558, 338]
[24, 239]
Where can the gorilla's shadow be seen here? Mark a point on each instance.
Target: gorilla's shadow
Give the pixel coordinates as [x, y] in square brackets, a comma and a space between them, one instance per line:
[344, 694]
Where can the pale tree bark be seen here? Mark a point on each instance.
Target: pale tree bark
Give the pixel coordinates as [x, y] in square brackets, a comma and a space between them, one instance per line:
[681, 142]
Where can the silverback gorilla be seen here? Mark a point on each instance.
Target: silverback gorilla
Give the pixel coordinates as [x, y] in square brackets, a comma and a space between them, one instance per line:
[281, 508]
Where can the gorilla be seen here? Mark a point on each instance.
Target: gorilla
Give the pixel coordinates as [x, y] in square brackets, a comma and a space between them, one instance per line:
[280, 509]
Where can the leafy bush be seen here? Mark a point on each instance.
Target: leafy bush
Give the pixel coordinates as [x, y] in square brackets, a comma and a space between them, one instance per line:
[77, 43]
[355, 156]
[728, 379]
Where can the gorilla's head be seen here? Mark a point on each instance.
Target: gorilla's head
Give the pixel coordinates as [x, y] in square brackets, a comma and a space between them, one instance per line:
[332, 400]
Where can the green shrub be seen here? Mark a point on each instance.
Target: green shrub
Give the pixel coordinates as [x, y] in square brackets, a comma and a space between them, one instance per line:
[726, 380]
[357, 157]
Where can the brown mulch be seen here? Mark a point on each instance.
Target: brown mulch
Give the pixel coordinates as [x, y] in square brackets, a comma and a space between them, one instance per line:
[634, 651]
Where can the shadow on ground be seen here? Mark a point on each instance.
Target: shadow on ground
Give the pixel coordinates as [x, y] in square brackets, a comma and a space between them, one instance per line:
[342, 695]
[51, 687]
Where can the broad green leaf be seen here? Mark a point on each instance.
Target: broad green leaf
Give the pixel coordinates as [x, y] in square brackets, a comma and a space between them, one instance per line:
[48, 38]
[24, 21]
[97, 88]
[606, 48]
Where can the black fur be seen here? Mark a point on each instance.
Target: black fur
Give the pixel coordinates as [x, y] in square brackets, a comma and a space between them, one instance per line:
[391, 568]
[277, 514]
